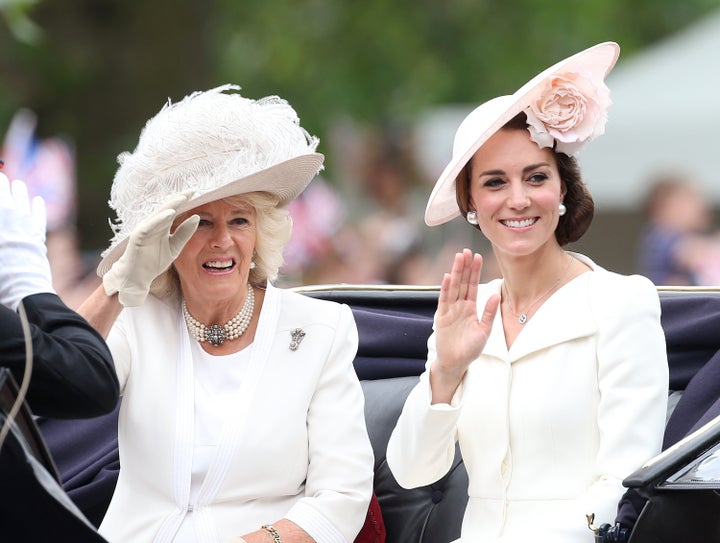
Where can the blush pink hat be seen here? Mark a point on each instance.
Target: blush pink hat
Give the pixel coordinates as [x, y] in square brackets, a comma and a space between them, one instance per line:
[581, 92]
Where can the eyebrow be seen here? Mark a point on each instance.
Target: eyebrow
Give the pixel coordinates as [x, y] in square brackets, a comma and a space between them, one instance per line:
[526, 169]
[244, 210]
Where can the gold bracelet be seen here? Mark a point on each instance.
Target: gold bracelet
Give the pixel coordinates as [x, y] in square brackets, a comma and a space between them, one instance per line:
[270, 529]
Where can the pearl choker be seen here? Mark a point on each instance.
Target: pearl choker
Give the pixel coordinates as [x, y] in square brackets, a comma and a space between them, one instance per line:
[216, 334]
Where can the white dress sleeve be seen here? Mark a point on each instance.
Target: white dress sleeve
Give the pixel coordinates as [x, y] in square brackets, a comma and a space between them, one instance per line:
[633, 380]
[340, 473]
[422, 445]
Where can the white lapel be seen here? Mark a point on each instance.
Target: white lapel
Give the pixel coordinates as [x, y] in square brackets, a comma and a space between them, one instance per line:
[240, 406]
[184, 431]
[566, 315]
[495, 346]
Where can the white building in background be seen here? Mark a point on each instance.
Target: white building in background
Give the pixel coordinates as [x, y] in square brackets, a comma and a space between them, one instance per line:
[665, 117]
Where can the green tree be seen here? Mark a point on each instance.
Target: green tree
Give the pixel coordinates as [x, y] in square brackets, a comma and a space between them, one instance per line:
[97, 69]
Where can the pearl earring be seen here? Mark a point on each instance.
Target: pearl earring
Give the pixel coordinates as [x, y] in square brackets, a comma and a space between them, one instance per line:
[252, 264]
[472, 217]
[562, 209]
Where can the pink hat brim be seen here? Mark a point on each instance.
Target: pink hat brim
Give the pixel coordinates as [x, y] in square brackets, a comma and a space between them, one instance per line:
[489, 117]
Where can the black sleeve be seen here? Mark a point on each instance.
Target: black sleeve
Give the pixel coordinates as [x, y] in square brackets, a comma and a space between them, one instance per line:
[73, 374]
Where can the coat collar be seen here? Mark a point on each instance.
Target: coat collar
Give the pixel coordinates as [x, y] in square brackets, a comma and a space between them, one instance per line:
[564, 316]
[230, 435]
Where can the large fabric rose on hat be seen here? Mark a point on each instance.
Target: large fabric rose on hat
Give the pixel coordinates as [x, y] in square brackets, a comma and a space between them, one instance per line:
[569, 110]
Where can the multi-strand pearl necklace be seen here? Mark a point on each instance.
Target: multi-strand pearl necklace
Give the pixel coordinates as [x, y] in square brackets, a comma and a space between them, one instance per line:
[215, 334]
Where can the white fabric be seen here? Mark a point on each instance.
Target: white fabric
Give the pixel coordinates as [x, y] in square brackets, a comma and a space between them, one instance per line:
[217, 379]
[150, 251]
[294, 444]
[549, 428]
[24, 267]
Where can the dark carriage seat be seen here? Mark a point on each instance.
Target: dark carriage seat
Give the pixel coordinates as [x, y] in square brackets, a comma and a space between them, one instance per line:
[394, 323]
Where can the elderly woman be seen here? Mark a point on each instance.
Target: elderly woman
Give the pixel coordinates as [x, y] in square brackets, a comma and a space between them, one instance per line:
[241, 416]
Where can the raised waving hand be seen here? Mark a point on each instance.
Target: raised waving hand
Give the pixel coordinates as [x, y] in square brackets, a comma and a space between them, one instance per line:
[24, 267]
[460, 335]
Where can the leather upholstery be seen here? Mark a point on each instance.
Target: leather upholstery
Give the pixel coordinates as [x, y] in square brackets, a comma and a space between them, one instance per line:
[394, 324]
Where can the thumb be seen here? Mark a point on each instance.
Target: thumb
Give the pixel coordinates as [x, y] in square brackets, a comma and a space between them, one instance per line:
[488, 315]
[21, 197]
[39, 215]
[5, 194]
[182, 234]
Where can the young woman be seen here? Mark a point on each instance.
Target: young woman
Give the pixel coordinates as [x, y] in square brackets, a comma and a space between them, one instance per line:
[553, 378]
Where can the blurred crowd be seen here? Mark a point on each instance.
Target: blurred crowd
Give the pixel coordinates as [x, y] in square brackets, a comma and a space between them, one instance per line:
[362, 222]
[679, 245]
[48, 167]
[366, 226]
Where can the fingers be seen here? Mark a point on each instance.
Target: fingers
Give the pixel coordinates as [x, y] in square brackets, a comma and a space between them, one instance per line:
[39, 215]
[183, 233]
[161, 220]
[15, 196]
[488, 316]
[444, 297]
[175, 201]
[453, 283]
[20, 196]
[474, 280]
[5, 195]
[464, 276]
[461, 284]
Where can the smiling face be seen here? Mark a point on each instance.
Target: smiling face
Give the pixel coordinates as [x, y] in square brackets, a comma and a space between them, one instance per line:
[214, 265]
[515, 187]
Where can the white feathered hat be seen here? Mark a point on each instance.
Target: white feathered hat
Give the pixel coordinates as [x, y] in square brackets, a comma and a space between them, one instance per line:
[217, 144]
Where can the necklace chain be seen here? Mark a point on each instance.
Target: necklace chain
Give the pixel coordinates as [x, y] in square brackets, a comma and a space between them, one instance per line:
[523, 316]
[215, 334]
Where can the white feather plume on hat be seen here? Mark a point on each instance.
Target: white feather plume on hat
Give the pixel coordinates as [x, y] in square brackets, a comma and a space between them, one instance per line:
[217, 144]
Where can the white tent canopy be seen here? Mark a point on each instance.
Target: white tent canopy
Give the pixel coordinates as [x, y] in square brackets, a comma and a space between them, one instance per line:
[665, 118]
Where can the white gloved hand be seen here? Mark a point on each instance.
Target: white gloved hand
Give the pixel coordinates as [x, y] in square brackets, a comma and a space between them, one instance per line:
[151, 249]
[24, 267]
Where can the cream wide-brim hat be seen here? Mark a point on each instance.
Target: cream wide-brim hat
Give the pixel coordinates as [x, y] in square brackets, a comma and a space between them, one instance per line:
[480, 124]
[217, 145]
[285, 180]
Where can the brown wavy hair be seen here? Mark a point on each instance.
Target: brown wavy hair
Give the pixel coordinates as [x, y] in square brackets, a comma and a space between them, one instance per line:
[578, 201]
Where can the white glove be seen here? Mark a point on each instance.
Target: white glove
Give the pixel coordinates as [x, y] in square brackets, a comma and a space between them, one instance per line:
[24, 267]
[149, 252]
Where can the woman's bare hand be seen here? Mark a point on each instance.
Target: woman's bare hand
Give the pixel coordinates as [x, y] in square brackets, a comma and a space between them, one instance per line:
[460, 336]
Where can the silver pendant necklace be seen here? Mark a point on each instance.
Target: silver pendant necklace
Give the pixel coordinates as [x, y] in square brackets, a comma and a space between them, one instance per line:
[215, 334]
[524, 315]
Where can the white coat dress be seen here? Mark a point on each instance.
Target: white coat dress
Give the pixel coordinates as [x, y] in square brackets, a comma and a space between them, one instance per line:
[550, 427]
[294, 444]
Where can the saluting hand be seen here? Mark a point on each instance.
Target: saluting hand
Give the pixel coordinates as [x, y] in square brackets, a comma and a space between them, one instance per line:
[460, 336]
[151, 249]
